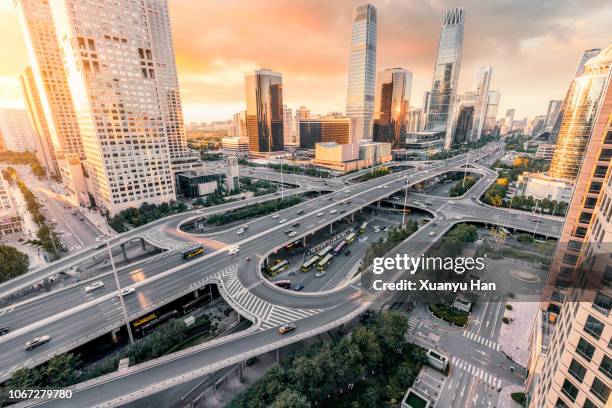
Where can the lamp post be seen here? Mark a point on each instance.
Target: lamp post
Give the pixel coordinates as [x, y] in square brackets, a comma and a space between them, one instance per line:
[405, 201]
[123, 308]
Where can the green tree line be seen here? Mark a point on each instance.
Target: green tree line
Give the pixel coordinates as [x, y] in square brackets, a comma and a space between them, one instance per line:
[146, 213]
[372, 367]
[254, 210]
[12, 263]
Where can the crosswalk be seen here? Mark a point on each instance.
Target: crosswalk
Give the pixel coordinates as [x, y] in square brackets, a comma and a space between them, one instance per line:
[479, 339]
[160, 239]
[483, 376]
[180, 247]
[7, 310]
[413, 323]
[270, 315]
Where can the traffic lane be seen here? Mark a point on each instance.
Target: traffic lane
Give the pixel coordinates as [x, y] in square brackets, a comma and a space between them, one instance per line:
[67, 298]
[209, 358]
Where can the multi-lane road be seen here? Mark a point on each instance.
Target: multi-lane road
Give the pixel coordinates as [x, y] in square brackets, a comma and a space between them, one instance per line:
[72, 317]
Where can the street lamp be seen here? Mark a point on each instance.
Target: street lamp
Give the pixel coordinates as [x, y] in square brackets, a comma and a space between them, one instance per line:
[123, 308]
[405, 201]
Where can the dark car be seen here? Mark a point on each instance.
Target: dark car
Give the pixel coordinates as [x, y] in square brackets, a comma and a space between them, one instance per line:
[298, 287]
[347, 252]
[296, 224]
[4, 330]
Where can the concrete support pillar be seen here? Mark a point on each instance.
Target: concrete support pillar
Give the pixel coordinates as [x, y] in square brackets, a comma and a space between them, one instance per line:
[378, 203]
[241, 368]
[278, 356]
[143, 244]
[304, 241]
[331, 228]
[124, 252]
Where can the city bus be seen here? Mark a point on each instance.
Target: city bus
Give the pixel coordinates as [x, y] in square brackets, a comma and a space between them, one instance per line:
[193, 251]
[309, 263]
[350, 238]
[279, 266]
[363, 228]
[145, 319]
[285, 284]
[324, 262]
[338, 249]
[324, 251]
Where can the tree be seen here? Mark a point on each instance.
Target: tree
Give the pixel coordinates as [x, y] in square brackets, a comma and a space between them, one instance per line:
[290, 399]
[60, 371]
[12, 263]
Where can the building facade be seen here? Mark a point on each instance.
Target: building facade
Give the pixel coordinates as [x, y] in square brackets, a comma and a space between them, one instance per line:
[490, 122]
[264, 113]
[552, 112]
[122, 77]
[288, 134]
[313, 131]
[10, 220]
[16, 130]
[481, 91]
[391, 101]
[582, 105]
[362, 71]
[44, 146]
[446, 75]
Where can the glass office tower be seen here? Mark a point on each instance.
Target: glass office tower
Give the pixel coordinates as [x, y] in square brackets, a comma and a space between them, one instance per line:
[391, 102]
[446, 75]
[362, 72]
[580, 109]
[264, 113]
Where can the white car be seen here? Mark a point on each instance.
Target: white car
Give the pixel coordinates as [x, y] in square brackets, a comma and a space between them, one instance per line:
[37, 341]
[284, 220]
[431, 234]
[94, 286]
[363, 239]
[197, 212]
[75, 268]
[458, 217]
[233, 250]
[127, 291]
[332, 212]
[319, 274]
[385, 186]
[275, 216]
[292, 233]
[240, 231]
[319, 214]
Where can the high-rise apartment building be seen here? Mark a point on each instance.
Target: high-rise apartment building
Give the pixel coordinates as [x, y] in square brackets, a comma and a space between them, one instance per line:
[446, 75]
[571, 364]
[392, 98]
[415, 120]
[264, 103]
[362, 71]
[10, 220]
[16, 130]
[481, 90]
[44, 146]
[581, 107]
[490, 121]
[239, 125]
[121, 73]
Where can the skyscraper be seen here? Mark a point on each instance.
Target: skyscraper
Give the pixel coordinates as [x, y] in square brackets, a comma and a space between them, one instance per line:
[493, 98]
[392, 98]
[581, 108]
[301, 113]
[44, 146]
[289, 136]
[45, 58]
[584, 57]
[481, 90]
[17, 131]
[446, 75]
[122, 77]
[465, 118]
[572, 366]
[264, 103]
[362, 72]
[552, 112]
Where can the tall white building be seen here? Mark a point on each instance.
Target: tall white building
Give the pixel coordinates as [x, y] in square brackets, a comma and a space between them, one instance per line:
[239, 125]
[443, 97]
[362, 72]
[288, 133]
[16, 130]
[121, 73]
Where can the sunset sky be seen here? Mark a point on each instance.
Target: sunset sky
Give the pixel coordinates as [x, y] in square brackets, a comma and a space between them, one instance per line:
[533, 47]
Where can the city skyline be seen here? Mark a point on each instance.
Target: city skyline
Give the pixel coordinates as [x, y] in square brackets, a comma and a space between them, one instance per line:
[317, 78]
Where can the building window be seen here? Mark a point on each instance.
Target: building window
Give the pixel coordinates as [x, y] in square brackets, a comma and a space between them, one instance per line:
[577, 370]
[594, 327]
[561, 404]
[585, 349]
[569, 390]
[600, 390]
[589, 404]
[606, 366]
[602, 303]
